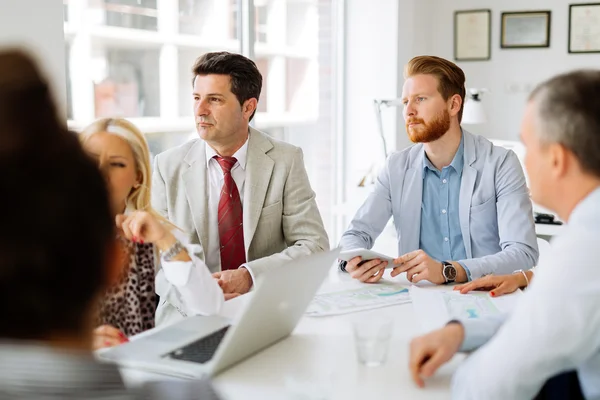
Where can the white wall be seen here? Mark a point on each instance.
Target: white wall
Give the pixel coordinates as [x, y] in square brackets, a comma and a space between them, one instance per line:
[371, 72]
[381, 36]
[521, 68]
[37, 26]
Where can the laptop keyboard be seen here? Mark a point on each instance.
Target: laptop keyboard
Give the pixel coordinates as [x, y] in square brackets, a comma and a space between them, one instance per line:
[200, 351]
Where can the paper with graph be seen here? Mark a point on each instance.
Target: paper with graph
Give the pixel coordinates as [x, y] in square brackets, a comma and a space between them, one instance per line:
[434, 308]
[354, 300]
[469, 305]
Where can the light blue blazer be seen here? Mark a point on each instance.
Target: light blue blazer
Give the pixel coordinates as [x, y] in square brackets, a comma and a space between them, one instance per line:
[495, 212]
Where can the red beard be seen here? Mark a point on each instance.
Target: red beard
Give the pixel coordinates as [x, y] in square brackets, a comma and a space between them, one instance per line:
[428, 132]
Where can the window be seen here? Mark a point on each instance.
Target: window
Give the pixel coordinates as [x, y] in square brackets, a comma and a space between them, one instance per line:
[131, 14]
[133, 58]
[125, 82]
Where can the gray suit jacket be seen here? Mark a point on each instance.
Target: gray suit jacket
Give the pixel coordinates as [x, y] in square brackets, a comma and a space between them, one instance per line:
[495, 212]
[281, 219]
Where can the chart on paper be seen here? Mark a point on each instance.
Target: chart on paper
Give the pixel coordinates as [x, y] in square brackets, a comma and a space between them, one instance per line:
[469, 306]
[434, 308]
[353, 300]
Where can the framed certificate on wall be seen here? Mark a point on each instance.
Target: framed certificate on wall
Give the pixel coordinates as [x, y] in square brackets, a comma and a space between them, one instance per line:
[472, 35]
[525, 29]
[584, 28]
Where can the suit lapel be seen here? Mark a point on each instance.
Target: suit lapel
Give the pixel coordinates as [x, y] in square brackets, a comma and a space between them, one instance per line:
[259, 168]
[196, 189]
[467, 184]
[410, 209]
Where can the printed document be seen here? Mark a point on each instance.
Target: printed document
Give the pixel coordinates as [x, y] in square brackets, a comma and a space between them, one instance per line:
[354, 300]
[435, 308]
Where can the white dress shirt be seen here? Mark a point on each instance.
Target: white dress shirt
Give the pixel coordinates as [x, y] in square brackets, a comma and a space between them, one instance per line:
[555, 327]
[198, 291]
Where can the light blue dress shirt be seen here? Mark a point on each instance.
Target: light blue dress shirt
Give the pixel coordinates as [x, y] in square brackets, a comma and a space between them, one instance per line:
[441, 236]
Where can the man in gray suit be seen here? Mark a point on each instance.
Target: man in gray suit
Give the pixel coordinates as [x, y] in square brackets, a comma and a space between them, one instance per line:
[460, 204]
[245, 197]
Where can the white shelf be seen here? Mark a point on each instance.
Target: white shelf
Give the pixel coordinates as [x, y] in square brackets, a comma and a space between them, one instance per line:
[151, 125]
[126, 38]
[197, 42]
[264, 49]
[118, 37]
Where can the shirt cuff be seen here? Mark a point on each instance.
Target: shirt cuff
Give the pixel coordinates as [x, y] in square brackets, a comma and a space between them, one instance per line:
[177, 272]
[245, 265]
[477, 332]
[467, 270]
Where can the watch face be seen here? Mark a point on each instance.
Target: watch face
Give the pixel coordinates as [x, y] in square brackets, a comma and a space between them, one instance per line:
[450, 272]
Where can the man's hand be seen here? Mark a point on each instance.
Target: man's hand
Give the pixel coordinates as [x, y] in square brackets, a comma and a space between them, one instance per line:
[419, 266]
[429, 352]
[498, 284]
[229, 296]
[369, 271]
[234, 281]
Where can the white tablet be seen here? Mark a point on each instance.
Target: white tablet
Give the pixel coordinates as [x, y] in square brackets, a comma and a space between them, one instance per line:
[348, 255]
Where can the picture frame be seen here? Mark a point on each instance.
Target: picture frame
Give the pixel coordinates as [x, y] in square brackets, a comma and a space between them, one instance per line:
[472, 35]
[584, 28]
[525, 29]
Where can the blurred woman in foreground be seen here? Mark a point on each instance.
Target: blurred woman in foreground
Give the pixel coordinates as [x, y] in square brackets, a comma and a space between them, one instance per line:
[58, 254]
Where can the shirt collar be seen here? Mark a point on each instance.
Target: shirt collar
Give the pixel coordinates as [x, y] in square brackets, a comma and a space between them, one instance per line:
[241, 155]
[586, 208]
[457, 162]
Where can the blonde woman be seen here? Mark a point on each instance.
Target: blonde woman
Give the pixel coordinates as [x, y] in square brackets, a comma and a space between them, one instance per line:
[128, 307]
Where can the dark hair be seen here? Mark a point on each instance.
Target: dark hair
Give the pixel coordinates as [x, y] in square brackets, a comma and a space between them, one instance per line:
[57, 225]
[451, 79]
[568, 112]
[246, 80]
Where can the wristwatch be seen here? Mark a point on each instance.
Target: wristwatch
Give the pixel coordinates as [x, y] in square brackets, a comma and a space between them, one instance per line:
[342, 265]
[449, 272]
[172, 251]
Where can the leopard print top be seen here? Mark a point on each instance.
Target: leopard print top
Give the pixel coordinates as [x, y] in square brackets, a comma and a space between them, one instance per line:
[131, 304]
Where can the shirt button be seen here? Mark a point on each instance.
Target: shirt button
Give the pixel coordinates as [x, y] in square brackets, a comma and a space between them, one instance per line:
[445, 239]
[444, 180]
[444, 211]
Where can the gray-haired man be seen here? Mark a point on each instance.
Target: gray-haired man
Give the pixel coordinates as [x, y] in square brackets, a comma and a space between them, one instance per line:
[555, 328]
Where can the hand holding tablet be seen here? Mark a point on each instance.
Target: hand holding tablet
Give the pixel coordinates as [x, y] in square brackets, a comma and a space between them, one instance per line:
[366, 255]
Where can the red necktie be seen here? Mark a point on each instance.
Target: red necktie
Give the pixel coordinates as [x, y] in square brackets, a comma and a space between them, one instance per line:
[231, 229]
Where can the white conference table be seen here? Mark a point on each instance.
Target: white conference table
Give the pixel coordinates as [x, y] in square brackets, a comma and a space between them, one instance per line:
[318, 361]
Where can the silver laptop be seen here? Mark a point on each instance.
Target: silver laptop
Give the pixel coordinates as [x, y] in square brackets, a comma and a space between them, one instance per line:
[197, 346]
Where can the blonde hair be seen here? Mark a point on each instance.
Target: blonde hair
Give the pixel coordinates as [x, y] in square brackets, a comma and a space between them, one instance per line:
[139, 198]
[451, 79]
